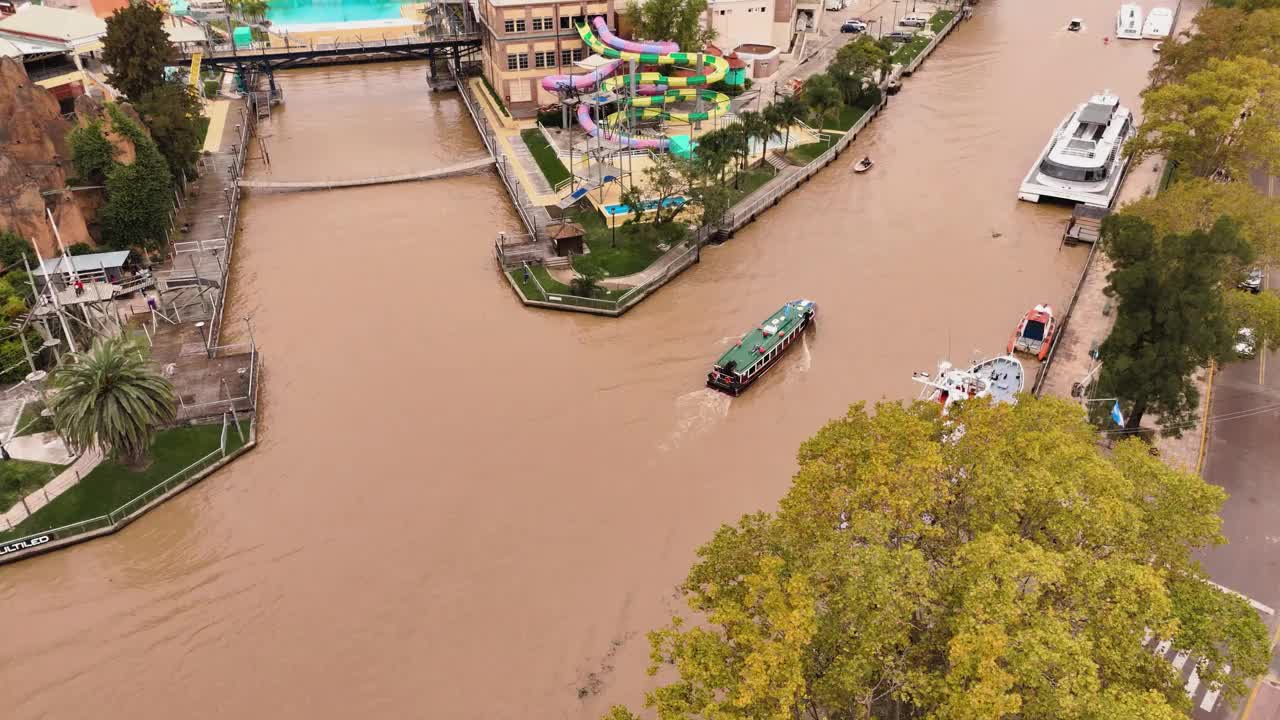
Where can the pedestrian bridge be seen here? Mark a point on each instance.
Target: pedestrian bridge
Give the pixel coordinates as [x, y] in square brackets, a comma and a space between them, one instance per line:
[470, 166]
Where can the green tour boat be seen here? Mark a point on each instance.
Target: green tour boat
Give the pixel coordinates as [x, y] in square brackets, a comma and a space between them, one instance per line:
[760, 348]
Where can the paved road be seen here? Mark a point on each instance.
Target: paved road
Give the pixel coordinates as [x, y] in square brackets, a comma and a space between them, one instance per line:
[1244, 458]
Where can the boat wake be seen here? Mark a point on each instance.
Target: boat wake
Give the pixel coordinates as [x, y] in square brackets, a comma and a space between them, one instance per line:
[805, 360]
[696, 413]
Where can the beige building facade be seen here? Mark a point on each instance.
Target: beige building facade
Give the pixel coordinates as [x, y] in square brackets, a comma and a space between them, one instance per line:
[762, 23]
[524, 42]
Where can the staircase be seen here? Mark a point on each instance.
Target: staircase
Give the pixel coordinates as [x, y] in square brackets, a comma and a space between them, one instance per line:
[777, 160]
[556, 262]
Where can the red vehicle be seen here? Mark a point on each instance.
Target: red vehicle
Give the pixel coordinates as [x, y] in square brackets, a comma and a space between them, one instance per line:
[1034, 335]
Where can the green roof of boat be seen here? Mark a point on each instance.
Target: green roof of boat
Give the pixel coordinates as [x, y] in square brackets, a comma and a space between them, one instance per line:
[747, 351]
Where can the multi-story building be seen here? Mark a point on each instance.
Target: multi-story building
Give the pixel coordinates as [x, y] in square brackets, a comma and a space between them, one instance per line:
[524, 41]
[758, 24]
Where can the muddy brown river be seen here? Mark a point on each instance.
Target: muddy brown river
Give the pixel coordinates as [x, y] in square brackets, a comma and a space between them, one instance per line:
[462, 508]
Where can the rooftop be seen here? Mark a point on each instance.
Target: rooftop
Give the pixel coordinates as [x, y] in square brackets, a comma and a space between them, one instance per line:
[183, 32]
[82, 263]
[72, 27]
[764, 337]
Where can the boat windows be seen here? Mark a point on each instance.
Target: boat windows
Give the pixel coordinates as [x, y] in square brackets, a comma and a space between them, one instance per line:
[1072, 174]
[1034, 330]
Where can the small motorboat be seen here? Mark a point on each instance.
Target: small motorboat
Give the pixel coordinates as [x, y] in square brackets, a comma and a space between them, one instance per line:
[1075, 25]
[863, 165]
[1156, 48]
[1034, 335]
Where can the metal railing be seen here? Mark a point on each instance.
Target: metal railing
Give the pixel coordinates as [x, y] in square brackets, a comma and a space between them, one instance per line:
[126, 512]
[674, 262]
[263, 48]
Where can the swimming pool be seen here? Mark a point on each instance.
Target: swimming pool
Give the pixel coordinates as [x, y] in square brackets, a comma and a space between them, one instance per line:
[647, 205]
[310, 12]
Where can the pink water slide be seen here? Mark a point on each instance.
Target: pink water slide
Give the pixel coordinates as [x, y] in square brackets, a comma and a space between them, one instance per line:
[589, 126]
[617, 43]
[560, 83]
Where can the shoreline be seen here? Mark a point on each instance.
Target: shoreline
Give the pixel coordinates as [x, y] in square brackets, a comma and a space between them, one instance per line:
[740, 215]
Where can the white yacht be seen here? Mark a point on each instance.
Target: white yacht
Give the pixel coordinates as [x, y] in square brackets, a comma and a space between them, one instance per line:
[1129, 22]
[1159, 24]
[1085, 159]
[999, 378]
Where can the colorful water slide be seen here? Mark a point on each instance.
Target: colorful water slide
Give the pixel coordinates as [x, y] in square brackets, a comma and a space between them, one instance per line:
[649, 91]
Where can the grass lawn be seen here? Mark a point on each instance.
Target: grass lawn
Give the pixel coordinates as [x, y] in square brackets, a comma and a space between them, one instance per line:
[31, 421]
[19, 478]
[848, 115]
[805, 154]
[752, 179]
[909, 51]
[553, 286]
[548, 162]
[637, 245]
[111, 484]
[940, 20]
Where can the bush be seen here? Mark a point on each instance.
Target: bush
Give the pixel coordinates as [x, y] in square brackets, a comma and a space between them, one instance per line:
[494, 94]
[869, 98]
[550, 117]
[721, 86]
[92, 154]
[211, 88]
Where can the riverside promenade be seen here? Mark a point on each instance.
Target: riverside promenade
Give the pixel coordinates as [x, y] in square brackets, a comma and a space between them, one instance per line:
[531, 197]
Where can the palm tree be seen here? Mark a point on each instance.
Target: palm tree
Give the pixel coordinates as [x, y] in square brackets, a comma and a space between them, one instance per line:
[713, 152]
[753, 126]
[737, 141]
[109, 397]
[789, 109]
[822, 96]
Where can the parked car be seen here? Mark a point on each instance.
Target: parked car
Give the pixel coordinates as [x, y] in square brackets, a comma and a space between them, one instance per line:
[900, 36]
[1246, 344]
[915, 21]
[1252, 282]
[853, 26]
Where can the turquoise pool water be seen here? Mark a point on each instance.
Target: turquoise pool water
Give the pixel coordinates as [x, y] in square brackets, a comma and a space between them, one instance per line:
[307, 12]
[647, 205]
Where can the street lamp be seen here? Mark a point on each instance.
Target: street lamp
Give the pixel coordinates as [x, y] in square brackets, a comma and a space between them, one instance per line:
[207, 350]
[895, 12]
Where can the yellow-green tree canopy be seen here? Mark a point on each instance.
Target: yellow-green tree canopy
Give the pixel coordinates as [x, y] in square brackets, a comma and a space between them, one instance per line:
[991, 564]
[1225, 117]
[1220, 33]
[1197, 203]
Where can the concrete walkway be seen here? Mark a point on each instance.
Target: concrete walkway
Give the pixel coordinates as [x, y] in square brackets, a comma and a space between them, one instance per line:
[66, 480]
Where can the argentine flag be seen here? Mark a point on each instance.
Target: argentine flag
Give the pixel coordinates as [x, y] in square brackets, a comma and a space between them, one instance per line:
[1116, 416]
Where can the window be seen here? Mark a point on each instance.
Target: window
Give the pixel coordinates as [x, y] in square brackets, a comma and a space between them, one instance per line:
[567, 22]
[518, 62]
[513, 25]
[544, 59]
[542, 23]
[569, 57]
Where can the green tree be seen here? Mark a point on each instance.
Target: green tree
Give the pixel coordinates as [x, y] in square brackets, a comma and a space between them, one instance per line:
[1220, 33]
[12, 248]
[854, 65]
[136, 48]
[756, 126]
[1196, 203]
[172, 113]
[587, 280]
[92, 154]
[139, 195]
[680, 21]
[738, 142]
[1222, 118]
[666, 178]
[249, 9]
[1248, 5]
[1170, 317]
[713, 152]
[110, 398]
[789, 109]
[822, 95]
[1012, 570]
